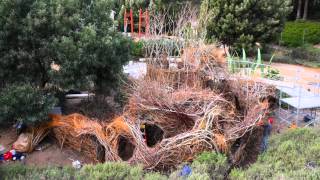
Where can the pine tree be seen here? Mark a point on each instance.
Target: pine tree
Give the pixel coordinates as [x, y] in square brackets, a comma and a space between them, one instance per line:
[77, 35]
[242, 23]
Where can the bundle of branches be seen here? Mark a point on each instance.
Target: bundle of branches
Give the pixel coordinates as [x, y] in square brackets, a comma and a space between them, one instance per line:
[174, 110]
[70, 129]
[193, 120]
[248, 92]
[174, 77]
[27, 141]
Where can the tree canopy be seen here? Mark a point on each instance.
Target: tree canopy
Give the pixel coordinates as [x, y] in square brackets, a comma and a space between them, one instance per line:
[55, 44]
[75, 35]
[241, 23]
[24, 103]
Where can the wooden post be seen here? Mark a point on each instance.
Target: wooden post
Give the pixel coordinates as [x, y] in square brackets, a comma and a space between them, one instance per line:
[125, 23]
[131, 16]
[140, 21]
[147, 19]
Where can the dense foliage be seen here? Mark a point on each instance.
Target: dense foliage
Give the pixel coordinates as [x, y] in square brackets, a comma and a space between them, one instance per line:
[24, 104]
[293, 155]
[75, 35]
[299, 33]
[242, 23]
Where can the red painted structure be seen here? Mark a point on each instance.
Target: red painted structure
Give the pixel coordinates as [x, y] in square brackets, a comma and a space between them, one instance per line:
[128, 19]
[144, 22]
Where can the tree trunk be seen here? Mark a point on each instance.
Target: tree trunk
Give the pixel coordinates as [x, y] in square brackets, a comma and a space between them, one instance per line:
[299, 9]
[305, 12]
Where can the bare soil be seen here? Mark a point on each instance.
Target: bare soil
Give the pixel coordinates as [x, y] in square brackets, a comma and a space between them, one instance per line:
[50, 156]
[307, 77]
[305, 73]
[317, 46]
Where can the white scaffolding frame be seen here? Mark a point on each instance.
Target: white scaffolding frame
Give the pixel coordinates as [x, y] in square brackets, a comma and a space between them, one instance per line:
[299, 98]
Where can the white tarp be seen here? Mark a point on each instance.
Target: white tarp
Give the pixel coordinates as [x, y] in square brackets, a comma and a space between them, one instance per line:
[303, 102]
[136, 70]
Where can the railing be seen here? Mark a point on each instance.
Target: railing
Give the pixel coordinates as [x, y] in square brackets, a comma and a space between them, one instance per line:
[252, 69]
[267, 72]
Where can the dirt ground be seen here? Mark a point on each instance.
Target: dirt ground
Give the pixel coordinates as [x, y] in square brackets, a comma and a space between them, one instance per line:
[307, 76]
[317, 46]
[306, 73]
[50, 156]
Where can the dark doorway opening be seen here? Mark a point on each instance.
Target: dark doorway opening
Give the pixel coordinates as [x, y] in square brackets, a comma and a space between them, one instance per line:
[125, 148]
[100, 153]
[154, 134]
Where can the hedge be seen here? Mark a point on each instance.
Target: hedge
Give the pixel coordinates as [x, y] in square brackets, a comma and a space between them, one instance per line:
[299, 33]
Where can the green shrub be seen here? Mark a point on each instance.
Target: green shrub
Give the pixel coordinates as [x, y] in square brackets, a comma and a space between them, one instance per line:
[299, 33]
[111, 170]
[293, 155]
[104, 171]
[26, 104]
[154, 176]
[137, 49]
[19, 171]
[215, 164]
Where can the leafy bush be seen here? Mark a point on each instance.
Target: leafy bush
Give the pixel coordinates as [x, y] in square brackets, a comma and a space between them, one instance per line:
[299, 33]
[26, 104]
[293, 155]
